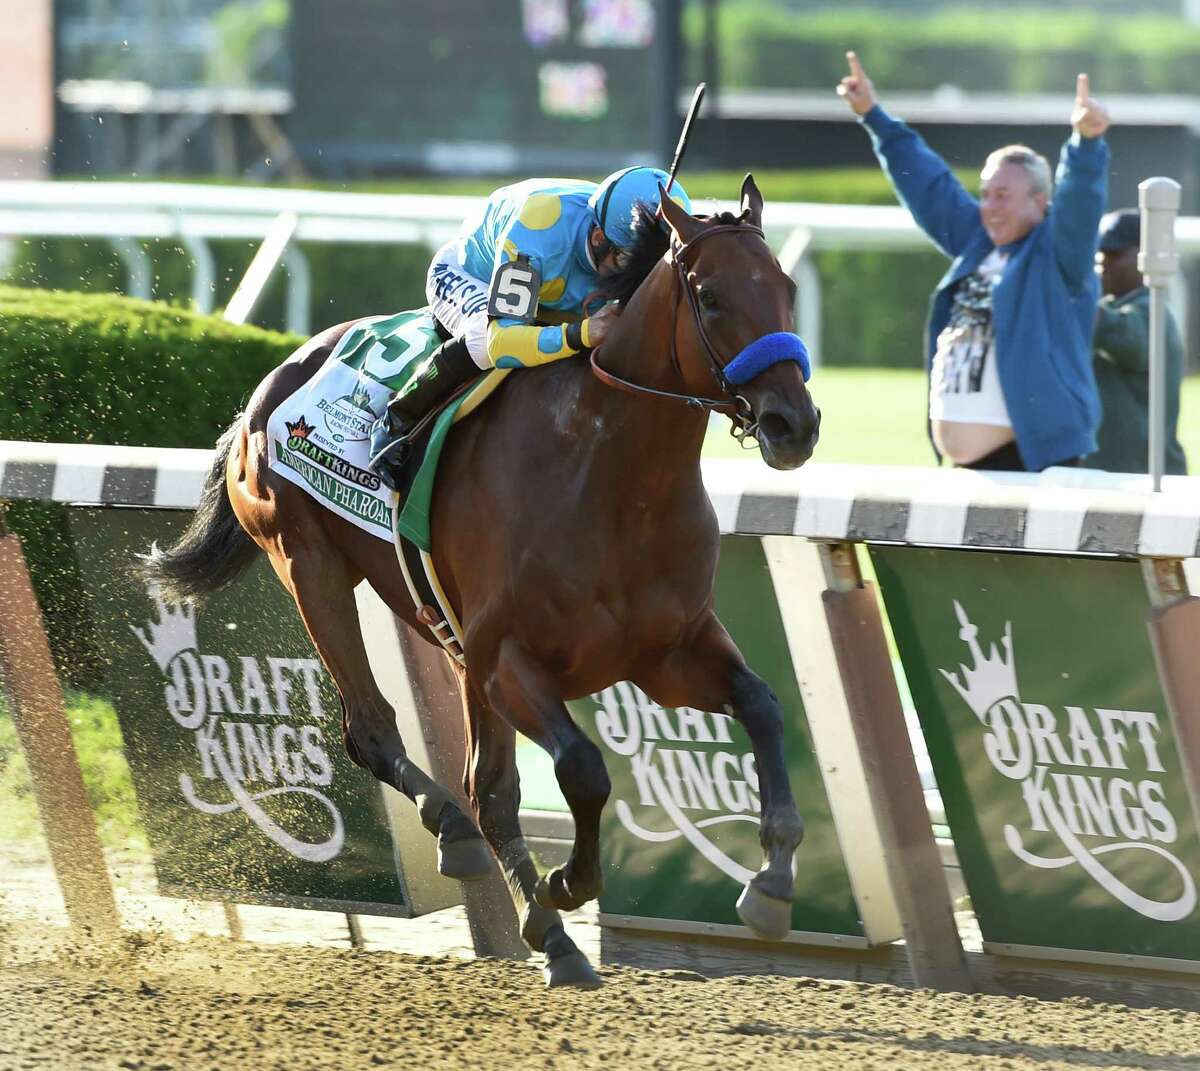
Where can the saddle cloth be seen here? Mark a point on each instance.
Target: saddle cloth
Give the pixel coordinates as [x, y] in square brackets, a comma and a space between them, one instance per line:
[318, 437]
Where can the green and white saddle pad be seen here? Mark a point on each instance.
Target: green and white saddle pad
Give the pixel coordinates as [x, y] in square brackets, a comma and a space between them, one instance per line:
[318, 437]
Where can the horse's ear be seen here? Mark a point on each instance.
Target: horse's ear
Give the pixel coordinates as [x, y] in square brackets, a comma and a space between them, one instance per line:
[752, 201]
[684, 226]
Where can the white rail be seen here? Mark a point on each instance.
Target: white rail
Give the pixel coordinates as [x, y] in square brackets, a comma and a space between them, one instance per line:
[194, 214]
[1073, 511]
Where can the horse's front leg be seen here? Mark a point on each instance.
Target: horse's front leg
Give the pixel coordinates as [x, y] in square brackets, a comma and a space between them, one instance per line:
[520, 691]
[493, 786]
[709, 673]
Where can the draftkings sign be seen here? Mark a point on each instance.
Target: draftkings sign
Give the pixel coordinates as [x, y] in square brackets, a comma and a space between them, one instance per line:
[232, 729]
[1051, 742]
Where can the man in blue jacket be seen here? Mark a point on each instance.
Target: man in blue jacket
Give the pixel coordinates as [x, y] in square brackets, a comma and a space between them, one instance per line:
[1008, 348]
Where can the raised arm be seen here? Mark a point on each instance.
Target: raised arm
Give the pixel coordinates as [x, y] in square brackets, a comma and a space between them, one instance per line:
[1081, 189]
[922, 179]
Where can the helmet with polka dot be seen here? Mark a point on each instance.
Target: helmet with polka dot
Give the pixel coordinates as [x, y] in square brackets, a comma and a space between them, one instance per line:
[614, 199]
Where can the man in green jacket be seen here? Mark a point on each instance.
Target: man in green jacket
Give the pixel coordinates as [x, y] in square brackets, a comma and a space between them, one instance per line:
[1121, 345]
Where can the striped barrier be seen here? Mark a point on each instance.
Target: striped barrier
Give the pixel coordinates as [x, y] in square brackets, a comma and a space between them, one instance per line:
[1057, 511]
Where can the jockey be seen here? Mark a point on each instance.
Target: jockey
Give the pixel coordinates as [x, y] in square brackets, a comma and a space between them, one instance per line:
[543, 243]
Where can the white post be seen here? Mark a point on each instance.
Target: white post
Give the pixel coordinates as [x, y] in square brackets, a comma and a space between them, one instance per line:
[1158, 262]
[269, 254]
[795, 261]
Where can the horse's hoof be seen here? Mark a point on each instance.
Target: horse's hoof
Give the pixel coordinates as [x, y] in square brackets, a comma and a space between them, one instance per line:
[573, 969]
[552, 892]
[465, 860]
[770, 919]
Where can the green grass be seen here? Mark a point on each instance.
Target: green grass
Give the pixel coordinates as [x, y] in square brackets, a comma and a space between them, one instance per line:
[869, 416]
[876, 416]
[106, 776]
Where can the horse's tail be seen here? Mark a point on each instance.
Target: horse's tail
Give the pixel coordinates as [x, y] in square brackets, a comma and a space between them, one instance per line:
[214, 550]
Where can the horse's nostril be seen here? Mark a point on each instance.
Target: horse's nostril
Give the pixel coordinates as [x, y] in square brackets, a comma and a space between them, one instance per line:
[774, 427]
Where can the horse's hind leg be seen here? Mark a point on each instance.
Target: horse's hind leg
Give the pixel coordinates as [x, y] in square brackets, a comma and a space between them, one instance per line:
[711, 674]
[322, 583]
[493, 786]
[522, 694]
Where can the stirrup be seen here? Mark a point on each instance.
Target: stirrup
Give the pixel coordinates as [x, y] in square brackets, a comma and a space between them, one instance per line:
[418, 428]
[390, 459]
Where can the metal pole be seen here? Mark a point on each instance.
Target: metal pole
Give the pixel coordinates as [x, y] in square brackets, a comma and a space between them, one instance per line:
[1158, 262]
[715, 135]
[712, 55]
[40, 716]
[204, 270]
[265, 261]
[794, 260]
[299, 289]
[666, 77]
[139, 271]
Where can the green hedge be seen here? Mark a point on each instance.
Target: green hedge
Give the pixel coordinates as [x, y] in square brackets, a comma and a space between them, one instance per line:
[105, 369]
[984, 49]
[108, 369]
[347, 281]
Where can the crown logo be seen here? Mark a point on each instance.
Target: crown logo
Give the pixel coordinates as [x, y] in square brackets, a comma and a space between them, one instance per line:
[175, 630]
[298, 429]
[990, 678]
[361, 399]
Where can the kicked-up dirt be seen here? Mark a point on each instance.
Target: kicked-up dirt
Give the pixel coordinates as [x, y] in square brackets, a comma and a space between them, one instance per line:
[155, 1003]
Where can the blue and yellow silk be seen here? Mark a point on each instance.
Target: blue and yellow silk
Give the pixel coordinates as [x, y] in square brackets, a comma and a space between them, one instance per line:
[548, 221]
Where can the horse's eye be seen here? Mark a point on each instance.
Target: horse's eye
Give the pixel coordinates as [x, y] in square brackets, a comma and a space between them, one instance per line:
[708, 300]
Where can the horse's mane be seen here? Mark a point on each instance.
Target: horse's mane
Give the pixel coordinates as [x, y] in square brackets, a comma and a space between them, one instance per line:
[726, 219]
[650, 242]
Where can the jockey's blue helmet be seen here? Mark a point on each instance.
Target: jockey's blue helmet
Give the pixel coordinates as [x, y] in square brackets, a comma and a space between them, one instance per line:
[613, 200]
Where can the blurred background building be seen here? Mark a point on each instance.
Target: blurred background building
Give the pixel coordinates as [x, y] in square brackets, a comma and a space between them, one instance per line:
[375, 88]
[26, 88]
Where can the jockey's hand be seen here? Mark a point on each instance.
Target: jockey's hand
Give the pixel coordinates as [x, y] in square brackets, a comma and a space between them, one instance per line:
[1089, 117]
[856, 88]
[600, 324]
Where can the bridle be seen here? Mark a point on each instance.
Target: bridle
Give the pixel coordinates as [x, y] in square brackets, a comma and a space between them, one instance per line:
[734, 405]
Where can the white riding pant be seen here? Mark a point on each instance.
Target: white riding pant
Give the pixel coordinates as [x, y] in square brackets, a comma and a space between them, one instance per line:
[459, 301]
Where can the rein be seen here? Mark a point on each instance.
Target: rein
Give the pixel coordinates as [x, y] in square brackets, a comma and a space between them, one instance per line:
[734, 405]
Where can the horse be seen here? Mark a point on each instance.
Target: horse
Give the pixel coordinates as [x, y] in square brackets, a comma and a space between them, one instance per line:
[577, 545]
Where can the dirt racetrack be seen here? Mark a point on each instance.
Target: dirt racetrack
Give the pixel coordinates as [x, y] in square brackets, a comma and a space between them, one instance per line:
[156, 1004]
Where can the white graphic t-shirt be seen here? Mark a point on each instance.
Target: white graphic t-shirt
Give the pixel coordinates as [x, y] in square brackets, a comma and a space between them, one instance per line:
[964, 386]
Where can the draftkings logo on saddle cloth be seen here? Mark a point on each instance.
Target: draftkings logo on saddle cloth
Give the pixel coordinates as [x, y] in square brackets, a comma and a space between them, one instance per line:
[319, 436]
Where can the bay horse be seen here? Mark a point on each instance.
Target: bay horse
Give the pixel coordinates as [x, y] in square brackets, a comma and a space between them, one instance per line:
[578, 547]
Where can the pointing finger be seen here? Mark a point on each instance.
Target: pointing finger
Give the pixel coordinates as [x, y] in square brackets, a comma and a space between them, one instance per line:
[855, 67]
[1082, 91]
